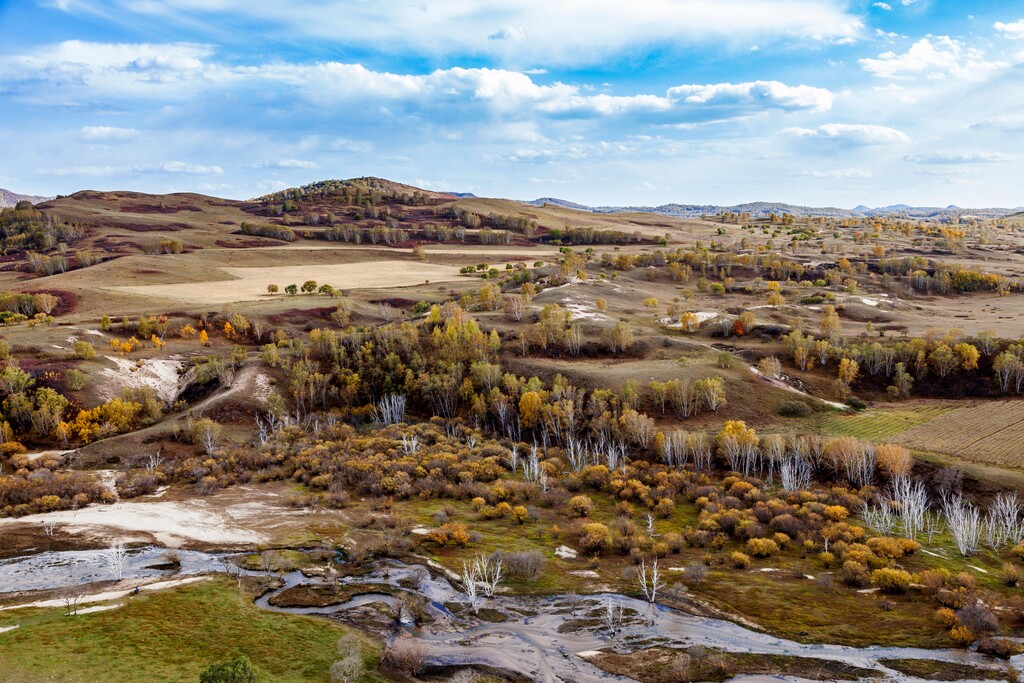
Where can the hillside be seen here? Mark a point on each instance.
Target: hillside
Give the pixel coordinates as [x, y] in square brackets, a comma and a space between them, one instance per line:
[8, 198]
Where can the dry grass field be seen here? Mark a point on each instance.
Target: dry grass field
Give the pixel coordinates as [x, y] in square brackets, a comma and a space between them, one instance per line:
[990, 433]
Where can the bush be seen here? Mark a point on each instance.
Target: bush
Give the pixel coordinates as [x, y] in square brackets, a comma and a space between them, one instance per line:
[238, 670]
[1010, 574]
[76, 379]
[527, 564]
[596, 538]
[794, 409]
[581, 506]
[856, 403]
[84, 350]
[892, 548]
[740, 560]
[978, 618]
[762, 547]
[962, 635]
[854, 574]
[946, 617]
[891, 580]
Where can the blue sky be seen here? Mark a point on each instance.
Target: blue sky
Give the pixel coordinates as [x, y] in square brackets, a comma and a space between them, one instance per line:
[815, 102]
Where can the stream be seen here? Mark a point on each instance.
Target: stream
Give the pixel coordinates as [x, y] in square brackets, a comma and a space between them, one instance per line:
[541, 638]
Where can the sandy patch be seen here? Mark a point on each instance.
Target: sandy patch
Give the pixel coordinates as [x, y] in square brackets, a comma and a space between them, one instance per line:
[586, 574]
[564, 552]
[159, 373]
[110, 595]
[250, 284]
[702, 317]
[40, 454]
[170, 523]
[5, 629]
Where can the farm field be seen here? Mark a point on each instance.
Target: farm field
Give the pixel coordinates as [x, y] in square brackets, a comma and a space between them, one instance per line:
[991, 433]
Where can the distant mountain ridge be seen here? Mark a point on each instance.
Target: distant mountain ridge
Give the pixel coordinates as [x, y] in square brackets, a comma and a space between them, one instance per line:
[765, 209]
[8, 198]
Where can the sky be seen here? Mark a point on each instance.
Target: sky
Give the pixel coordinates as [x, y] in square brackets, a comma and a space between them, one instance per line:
[604, 102]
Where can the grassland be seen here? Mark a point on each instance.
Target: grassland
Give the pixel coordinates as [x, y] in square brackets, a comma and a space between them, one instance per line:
[168, 636]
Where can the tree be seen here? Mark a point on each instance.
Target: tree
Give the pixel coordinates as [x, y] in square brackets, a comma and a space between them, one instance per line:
[968, 355]
[206, 433]
[710, 392]
[291, 290]
[620, 337]
[830, 324]
[689, 321]
[237, 670]
[650, 580]
[45, 302]
[309, 286]
[272, 289]
[848, 371]
[1008, 369]
[943, 359]
[769, 366]
[530, 404]
[204, 338]
[896, 461]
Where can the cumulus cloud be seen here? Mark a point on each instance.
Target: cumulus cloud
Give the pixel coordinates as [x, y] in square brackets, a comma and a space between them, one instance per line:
[79, 73]
[563, 32]
[932, 57]
[958, 158]
[767, 94]
[1013, 31]
[857, 134]
[883, 6]
[108, 134]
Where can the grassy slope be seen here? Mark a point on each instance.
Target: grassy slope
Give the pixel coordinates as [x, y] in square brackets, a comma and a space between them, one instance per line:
[168, 635]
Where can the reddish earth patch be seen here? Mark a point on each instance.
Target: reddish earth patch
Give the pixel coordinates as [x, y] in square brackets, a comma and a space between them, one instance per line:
[247, 244]
[296, 315]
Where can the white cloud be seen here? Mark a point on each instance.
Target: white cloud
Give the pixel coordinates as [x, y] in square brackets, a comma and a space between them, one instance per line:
[835, 173]
[932, 57]
[883, 6]
[1013, 31]
[860, 134]
[74, 72]
[522, 32]
[286, 164]
[171, 167]
[765, 94]
[108, 134]
[957, 158]
[1006, 124]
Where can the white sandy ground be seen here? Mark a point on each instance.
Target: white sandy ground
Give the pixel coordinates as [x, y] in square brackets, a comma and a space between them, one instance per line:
[110, 595]
[40, 454]
[5, 629]
[171, 523]
[702, 317]
[250, 284]
[159, 373]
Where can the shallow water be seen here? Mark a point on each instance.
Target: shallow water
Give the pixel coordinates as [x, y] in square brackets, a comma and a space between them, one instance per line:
[531, 645]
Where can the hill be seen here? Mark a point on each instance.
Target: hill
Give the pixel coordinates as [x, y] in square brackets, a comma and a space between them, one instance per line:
[765, 209]
[8, 198]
